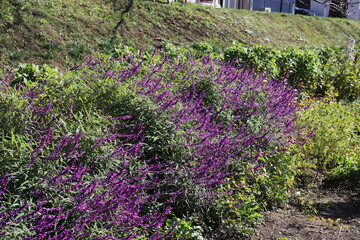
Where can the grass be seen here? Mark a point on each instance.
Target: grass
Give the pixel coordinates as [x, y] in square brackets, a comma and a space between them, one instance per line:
[47, 28]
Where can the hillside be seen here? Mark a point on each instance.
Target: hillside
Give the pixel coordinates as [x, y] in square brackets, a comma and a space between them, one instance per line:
[59, 32]
[140, 134]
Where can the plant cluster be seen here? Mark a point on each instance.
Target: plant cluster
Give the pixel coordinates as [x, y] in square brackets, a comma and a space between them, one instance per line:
[334, 146]
[315, 71]
[11, 11]
[117, 148]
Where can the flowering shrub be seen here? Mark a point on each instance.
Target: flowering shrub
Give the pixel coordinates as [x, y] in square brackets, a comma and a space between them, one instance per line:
[107, 150]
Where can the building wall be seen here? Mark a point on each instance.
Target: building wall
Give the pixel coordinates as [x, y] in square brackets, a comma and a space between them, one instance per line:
[353, 11]
[284, 6]
[230, 4]
[259, 5]
[215, 3]
[321, 9]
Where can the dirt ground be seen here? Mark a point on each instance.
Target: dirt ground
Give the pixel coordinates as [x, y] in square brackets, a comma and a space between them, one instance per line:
[325, 212]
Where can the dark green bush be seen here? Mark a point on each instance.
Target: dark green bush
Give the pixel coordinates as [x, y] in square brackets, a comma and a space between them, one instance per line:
[343, 74]
[261, 58]
[302, 69]
[316, 72]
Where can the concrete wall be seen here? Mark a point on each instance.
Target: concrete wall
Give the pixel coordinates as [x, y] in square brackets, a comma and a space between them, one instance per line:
[321, 9]
[353, 11]
[230, 4]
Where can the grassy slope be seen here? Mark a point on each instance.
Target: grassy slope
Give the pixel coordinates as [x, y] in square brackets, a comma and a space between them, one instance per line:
[50, 30]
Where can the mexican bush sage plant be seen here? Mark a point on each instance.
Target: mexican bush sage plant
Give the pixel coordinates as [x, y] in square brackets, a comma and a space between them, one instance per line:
[109, 149]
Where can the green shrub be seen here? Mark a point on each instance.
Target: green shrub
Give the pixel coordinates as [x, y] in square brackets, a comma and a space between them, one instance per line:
[29, 72]
[183, 229]
[252, 191]
[261, 58]
[77, 49]
[202, 49]
[315, 71]
[340, 72]
[120, 51]
[349, 169]
[273, 182]
[335, 138]
[172, 51]
[18, 54]
[302, 67]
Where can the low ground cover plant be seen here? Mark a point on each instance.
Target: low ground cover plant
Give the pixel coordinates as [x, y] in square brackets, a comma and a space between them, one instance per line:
[116, 148]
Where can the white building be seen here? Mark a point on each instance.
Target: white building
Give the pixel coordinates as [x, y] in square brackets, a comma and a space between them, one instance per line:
[215, 3]
[285, 6]
[352, 12]
[237, 4]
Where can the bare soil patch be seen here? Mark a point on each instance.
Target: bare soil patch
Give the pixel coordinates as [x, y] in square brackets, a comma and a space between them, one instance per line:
[327, 212]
